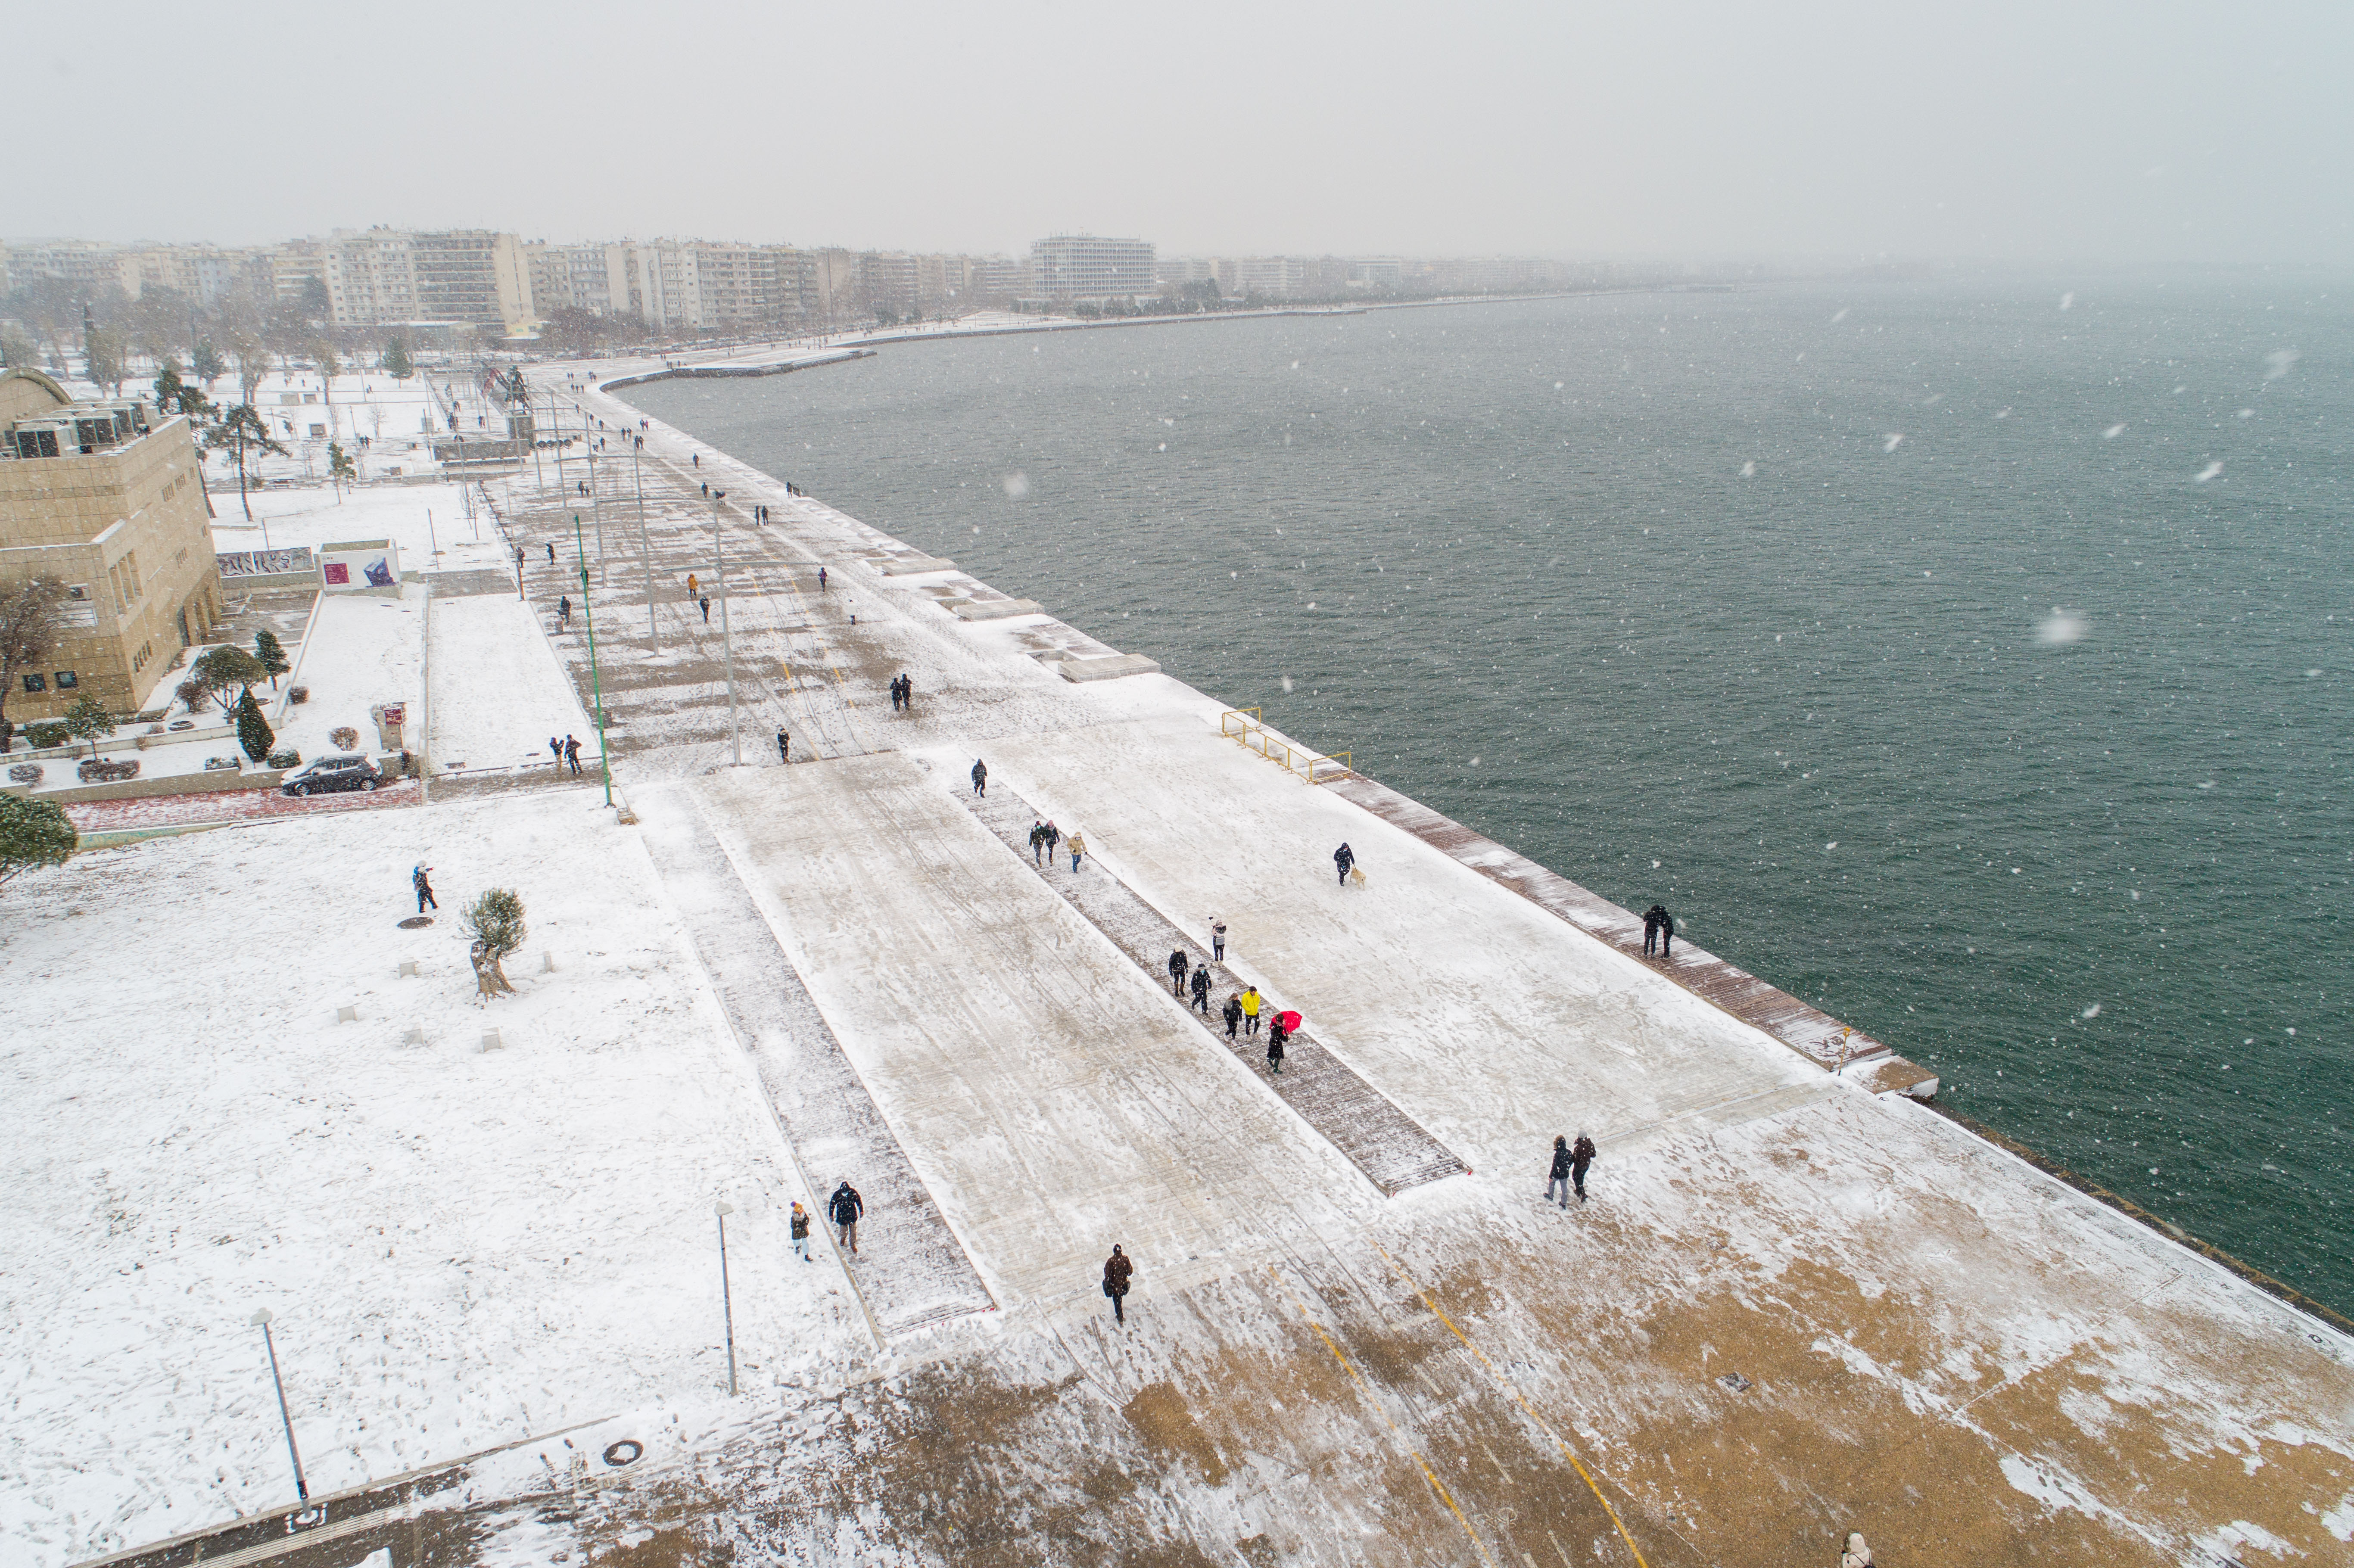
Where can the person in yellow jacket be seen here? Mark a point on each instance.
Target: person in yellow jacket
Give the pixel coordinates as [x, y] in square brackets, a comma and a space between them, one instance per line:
[1250, 1010]
[1077, 846]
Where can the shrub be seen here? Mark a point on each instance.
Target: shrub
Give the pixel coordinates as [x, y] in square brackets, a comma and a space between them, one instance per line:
[298, 695]
[25, 773]
[253, 732]
[32, 833]
[47, 733]
[290, 758]
[345, 737]
[98, 771]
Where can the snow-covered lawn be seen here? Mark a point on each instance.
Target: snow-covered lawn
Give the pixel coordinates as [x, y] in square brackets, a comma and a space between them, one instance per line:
[362, 649]
[498, 692]
[462, 1247]
[420, 518]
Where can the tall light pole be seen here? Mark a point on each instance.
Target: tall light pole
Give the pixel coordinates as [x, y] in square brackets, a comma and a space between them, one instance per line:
[727, 637]
[596, 686]
[645, 552]
[722, 1209]
[301, 1487]
[597, 501]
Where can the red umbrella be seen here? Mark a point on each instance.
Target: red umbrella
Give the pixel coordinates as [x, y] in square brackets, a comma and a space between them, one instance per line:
[1290, 1022]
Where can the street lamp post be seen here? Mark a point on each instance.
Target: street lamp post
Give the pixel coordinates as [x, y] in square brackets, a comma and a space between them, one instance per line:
[727, 637]
[301, 1487]
[645, 552]
[722, 1209]
[596, 686]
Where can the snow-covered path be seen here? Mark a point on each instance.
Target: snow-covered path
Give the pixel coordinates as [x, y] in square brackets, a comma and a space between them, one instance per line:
[1491, 1021]
[1054, 1099]
[498, 692]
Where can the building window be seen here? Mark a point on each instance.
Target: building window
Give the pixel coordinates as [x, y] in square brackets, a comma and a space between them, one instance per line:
[67, 680]
[36, 683]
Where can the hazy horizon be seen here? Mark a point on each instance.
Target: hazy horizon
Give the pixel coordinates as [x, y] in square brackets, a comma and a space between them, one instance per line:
[1844, 134]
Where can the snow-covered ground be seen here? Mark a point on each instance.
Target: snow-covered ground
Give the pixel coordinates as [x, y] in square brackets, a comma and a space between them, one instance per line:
[461, 1246]
[362, 649]
[420, 518]
[498, 692]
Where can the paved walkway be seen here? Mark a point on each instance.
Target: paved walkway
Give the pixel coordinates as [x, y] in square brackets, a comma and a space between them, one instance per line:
[1054, 1100]
[910, 1269]
[1380, 1139]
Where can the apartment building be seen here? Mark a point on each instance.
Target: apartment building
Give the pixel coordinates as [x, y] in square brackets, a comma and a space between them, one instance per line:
[113, 506]
[1072, 267]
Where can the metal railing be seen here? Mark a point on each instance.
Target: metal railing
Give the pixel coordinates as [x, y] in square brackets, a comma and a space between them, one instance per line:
[1243, 726]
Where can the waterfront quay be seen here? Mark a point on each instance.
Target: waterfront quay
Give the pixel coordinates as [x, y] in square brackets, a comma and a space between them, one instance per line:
[1795, 1301]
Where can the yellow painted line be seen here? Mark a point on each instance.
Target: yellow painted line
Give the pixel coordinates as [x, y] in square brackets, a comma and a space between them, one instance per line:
[1506, 1384]
[1350, 1368]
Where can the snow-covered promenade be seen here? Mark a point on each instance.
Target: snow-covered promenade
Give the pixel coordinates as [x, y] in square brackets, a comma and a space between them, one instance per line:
[1796, 1303]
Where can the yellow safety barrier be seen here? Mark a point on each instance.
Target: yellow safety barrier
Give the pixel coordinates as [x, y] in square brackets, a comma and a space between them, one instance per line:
[1242, 726]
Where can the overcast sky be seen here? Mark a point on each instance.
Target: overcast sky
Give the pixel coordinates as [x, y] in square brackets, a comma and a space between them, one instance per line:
[2161, 130]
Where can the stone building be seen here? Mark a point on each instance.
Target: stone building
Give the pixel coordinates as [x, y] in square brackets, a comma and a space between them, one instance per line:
[114, 505]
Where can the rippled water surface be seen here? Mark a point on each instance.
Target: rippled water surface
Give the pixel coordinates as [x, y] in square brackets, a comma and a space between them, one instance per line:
[1968, 657]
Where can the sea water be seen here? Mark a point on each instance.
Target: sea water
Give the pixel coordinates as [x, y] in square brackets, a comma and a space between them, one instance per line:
[1968, 657]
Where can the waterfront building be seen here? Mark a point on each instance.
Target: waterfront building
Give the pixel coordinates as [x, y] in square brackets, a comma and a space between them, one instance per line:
[1270, 277]
[1075, 267]
[113, 506]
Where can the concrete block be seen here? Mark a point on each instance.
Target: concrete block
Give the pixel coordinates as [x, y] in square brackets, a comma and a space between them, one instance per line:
[490, 1041]
[915, 565]
[414, 1037]
[547, 963]
[1109, 669]
[348, 1015]
[408, 967]
[997, 609]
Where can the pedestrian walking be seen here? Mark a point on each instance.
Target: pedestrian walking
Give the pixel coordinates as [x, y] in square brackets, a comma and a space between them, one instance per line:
[1250, 1000]
[843, 1209]
[1118, 1271]
[1078, 847]
[1233, 1013]
[1557, 1182]
[821, 579]
[706, 489]
[1651, 930]
[981, 777]
[564, 611]
[801, 1233]
[1218, 939]
[691, 585]
[1178, 965]
[556, 750]
[1201, 983]
[698, 463]
[551, 555]
[784, 746]
[424, 888]
[907, 690]
[1037, 842]
[572, 755]
[1344, 857]
[705, 602]
[1275, 1037]
[1581, 1155]
[1054, 838]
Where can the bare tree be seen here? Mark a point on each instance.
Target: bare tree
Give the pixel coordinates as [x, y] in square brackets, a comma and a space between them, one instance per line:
[29, 615]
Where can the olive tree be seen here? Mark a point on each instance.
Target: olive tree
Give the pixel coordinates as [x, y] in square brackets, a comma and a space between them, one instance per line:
[495, 922]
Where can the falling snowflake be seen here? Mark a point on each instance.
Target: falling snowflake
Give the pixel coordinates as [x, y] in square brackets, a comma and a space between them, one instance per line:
[1017, 485]
[2112, 432]
[2212, 470]
[1893, 442]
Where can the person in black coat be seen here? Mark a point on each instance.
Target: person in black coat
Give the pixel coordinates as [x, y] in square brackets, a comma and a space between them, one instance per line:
[1276, 1034]
[1202, 989]
[1581, 1155]
[1653, 919]
[979, 778]
[1178, 965]
[1557, 1183]
[843, 1209]
[1232, 1015]
[1344, 857]
[1117, 1270]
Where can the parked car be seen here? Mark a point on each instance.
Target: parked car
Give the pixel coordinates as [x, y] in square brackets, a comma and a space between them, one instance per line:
[326, 774]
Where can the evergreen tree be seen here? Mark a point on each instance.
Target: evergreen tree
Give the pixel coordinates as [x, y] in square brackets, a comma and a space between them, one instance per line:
[207, 362]
[238, 429]
[168, 389]
[104, 360]
[339, 468]
[32, 833]
[397, 362]
[89, 720]
[253, 732]
[270, 656]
